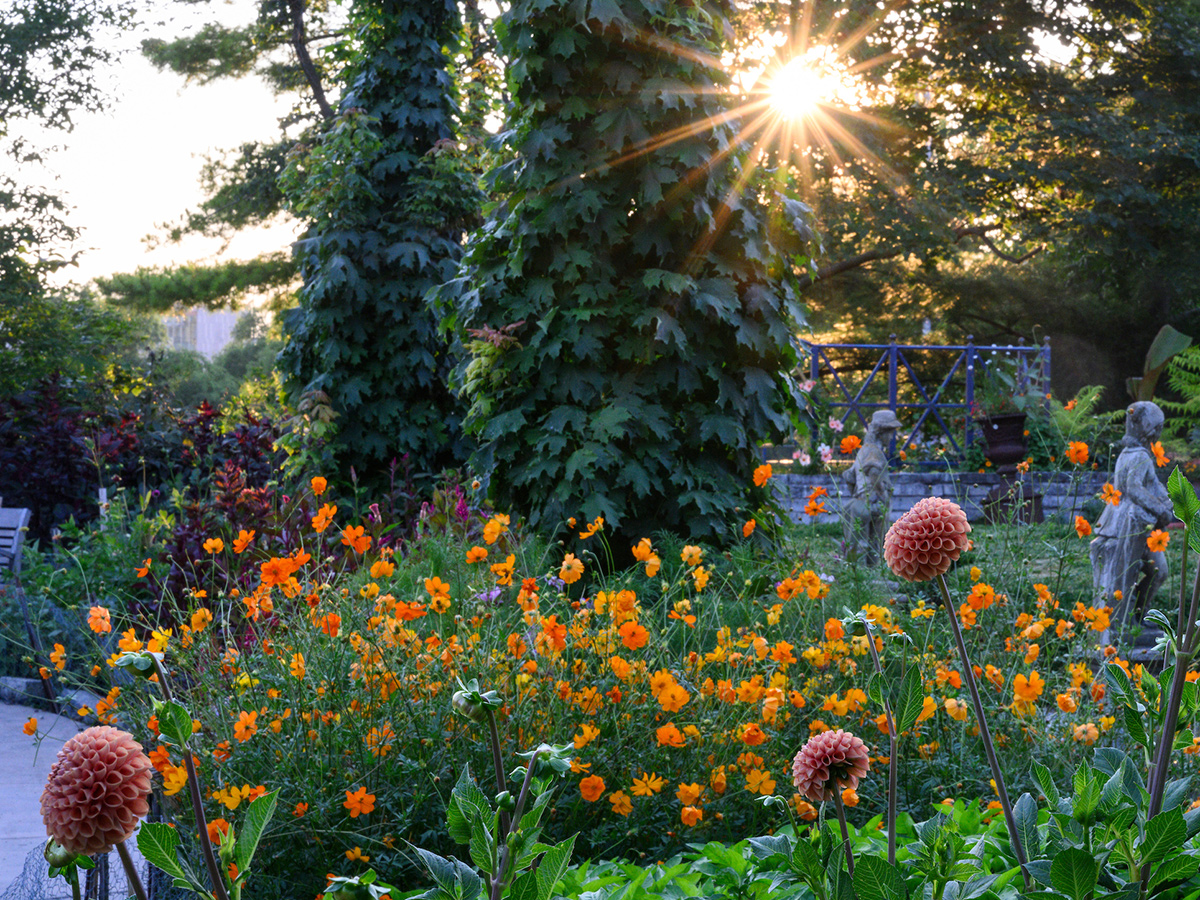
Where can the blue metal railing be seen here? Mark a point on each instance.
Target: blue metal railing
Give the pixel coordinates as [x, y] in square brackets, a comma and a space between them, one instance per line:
[1032, 370]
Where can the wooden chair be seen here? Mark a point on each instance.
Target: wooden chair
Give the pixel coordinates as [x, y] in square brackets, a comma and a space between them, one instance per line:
[13, 522]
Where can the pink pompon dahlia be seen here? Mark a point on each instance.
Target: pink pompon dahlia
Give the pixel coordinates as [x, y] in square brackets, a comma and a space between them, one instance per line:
[96, 791]
[926, 540]
[830, 762]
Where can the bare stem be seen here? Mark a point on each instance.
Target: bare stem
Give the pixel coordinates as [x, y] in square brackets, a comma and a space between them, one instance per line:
[498, 878]
[841, 817]
[131, 872]
[498, 764]
[985, 733]
[893, 762]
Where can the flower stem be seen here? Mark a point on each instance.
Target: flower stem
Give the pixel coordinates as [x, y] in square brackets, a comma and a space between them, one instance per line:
[497, 763]
[131, 872]
[893, 762]
[985, 733]
[841, 817]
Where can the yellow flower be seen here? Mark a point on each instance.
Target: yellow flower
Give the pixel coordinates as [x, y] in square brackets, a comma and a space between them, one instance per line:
[214, 545]
[621, 804]
[647, 785]
[692, 555]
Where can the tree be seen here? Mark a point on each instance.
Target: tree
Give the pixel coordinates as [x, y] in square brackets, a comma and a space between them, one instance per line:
[629, 346]
[388, 203]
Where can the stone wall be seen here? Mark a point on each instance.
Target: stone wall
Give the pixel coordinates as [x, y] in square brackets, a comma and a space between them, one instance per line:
[1062, 494]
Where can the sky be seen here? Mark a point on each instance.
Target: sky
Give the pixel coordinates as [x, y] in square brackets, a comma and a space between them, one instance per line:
[138, 163]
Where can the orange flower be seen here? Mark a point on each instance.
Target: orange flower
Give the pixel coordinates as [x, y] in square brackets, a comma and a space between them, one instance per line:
[323, 517]
[1157, 542]
[1087, 733]
[748, 528]
[1111, 494]
[814, 508]
[849, 444]
[621, 804]
[669, 736]
[760, 782]
[688, 794]
[201, 619]
[356, 853]
[300, 810]
[216, 828]
[297, 665]
[144, 570]
[751, 735]
[762, 475]
[673, 698]
[591, 788]
[276, 571]
[690, 815]
[633, 635]
[243, 540]
[383, 568]
[572, 569]
[1160, 457]
[318, 485]
[476, 554]
[692, 555]
[359, 802]
[353, 537]
[1083, 527]
[647, 785]
[1077, 452]
[30, 727]
[98, 620]
[214, 545]
[246, 726]
[504, 571]
[1066, 702]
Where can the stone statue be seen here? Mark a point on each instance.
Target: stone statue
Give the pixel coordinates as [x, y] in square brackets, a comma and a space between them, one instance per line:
[864, 517]
[1121, 559]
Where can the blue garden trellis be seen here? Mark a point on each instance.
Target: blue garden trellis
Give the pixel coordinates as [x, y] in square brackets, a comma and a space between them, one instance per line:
[969, 363]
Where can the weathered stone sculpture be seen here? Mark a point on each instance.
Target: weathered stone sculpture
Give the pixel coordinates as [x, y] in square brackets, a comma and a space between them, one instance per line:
[1126, 573]
[864, 517]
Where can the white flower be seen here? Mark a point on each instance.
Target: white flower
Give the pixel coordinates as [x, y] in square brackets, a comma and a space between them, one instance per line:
[804, 458]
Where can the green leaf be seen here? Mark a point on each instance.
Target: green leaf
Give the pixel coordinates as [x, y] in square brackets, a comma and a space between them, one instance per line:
[258, 814]
[1164, 833]
[1073, 872]
[552, 867]
[1025, 812]
[174, 722]
[1046, 782]
[769, 845]
[482, 845]
[1119, 682]
[1175, 868]
[1183, 496]
[912, 700]
[1135, 727]
[876, 879]
[806, 861]
[157, 841]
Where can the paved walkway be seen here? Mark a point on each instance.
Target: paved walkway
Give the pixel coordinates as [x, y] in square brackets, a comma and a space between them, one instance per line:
[23, 770]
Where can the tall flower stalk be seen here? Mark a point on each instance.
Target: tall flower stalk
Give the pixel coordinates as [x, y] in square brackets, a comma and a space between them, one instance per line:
[893, 747]
[922, 545]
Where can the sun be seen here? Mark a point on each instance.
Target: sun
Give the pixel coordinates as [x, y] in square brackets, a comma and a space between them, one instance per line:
[800, 87]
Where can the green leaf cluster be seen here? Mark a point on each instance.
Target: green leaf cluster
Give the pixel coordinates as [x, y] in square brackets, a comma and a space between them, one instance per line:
[387, 205]
[628, 329]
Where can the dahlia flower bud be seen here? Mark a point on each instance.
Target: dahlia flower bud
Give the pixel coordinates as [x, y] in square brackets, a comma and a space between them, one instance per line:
[96, 790]
[924, 542]
[830, 762]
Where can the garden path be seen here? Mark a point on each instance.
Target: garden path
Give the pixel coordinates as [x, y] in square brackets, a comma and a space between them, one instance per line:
[23, 771]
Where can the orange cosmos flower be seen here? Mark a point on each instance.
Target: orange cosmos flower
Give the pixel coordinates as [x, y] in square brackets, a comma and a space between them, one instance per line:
[246, 726]
[1087, 733]
[1157, 541]
[762, 475]
[1111, 494]
[243, 540]
[669, 736]
[751, 735]
[1160, 457]
[633, 635]
[300, 810]
[144, 570]
[1083, 527]
[476, 554]
[98, 620]
[324, 516]
[647, 785]
[383, 568]
[748, 528]
[359, 802]
[318, 485]
[30, 727]
[814, 508]
[353, 537]
[591, 788]
[849, 444]
[692, 555]
[214, 545]
[1077, 452]
[621, 804]
[297, 666]
[690, 815]
[571, 570]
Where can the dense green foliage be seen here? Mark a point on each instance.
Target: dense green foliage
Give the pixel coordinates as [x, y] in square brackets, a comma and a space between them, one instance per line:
[629, 349]
[224, 284]
[388, 204]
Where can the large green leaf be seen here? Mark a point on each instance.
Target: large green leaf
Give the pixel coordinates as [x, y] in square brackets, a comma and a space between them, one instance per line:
[1073, 872]
[157, 842]
[876, 879]
[912, 700]
[1164, 833]
[258, 814]
[1025, 812]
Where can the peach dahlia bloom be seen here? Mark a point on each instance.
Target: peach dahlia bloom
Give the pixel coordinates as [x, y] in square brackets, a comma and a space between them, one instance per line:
[830, 762]
[96, 791]
[925, 541]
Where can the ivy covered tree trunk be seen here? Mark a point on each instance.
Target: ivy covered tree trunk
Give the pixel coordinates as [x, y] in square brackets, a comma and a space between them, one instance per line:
[388, 203]
[630, 351]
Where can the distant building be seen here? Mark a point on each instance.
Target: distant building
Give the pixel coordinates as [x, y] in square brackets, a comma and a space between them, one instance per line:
[205, 331]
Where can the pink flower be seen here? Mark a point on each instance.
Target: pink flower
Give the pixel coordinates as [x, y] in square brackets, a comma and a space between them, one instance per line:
[830, 762]
[826, 453]
[925, 541]
[835, 423]
[96, 791]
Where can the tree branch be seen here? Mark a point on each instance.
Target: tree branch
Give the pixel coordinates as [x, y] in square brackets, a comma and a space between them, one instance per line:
[981, 232]
[296, 8]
